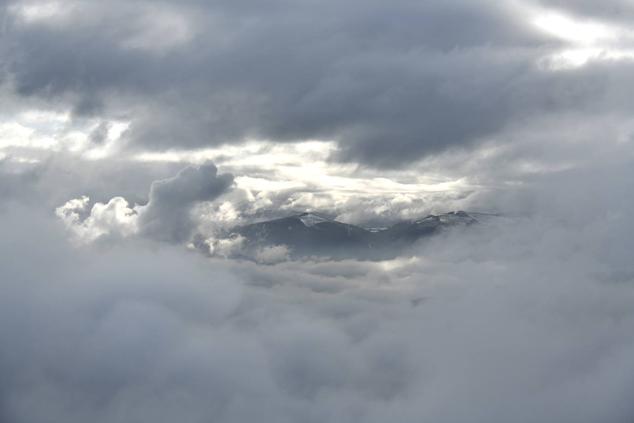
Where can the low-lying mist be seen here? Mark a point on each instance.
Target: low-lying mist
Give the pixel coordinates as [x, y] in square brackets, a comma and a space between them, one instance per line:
[524, 319]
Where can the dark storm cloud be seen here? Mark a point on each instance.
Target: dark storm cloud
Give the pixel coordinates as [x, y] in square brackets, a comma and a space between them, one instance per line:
[166, 215]
[390, 81]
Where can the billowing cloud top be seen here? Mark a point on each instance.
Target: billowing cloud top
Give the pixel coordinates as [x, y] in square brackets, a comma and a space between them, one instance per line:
[166, 214]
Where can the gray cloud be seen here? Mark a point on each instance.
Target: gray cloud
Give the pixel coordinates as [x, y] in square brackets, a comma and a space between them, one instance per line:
[15, 180]
[389, 82]
[100, 133]
[60, 177]
[524, 319]
[166, 215]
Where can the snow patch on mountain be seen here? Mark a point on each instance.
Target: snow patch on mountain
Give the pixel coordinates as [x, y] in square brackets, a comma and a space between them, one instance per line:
[311, 219]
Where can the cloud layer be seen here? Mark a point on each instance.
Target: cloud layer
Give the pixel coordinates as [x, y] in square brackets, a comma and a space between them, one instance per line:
[389, 82]
[148, 125]
[526, 320]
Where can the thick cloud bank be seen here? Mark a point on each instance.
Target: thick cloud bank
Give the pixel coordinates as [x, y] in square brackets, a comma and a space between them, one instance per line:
[111, 114]
[527, 320]
[389, 81]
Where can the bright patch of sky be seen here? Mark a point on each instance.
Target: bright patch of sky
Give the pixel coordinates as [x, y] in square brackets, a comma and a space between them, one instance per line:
[25, 136]
[587, 40]
[42, 11]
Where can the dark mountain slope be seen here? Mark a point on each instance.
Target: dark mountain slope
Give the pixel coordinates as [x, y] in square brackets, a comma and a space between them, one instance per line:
[308, 234]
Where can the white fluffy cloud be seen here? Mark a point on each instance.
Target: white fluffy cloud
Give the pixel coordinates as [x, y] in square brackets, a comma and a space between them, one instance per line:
[114, 218]
[166, 216]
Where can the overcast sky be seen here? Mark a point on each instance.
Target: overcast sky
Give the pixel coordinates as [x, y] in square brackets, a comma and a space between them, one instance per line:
[131, 131]
[314, 104]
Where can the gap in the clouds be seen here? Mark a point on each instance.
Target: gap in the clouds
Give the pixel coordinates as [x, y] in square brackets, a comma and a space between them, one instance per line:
[300, 236]
[34, 134]
[586, 41]
[272, 180]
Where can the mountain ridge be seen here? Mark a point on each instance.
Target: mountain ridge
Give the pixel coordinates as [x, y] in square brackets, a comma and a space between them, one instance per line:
[315, 234]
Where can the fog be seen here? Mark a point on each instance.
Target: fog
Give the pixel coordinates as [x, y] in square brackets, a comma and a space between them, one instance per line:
[524, 319]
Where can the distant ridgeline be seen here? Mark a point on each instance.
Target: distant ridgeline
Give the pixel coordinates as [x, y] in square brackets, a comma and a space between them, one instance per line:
[312, 234]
